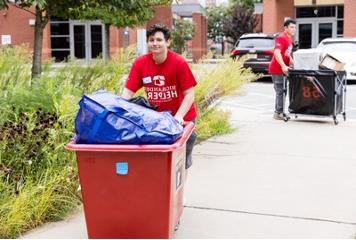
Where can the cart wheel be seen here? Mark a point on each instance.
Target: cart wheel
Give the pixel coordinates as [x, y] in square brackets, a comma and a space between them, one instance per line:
[286, 117]
[344, 115]
[296, 116]
[335, 120]
[177, 226]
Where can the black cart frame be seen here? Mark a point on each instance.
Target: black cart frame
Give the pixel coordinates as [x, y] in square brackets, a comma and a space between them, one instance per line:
[315, 92]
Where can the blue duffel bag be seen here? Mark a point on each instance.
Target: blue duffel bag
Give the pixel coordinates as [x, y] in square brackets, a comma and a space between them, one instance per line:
[106, 118]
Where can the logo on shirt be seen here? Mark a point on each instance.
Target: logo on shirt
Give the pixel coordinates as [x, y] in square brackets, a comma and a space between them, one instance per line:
[160, 91]
[158, 80]
[146, 80]
[289, 51]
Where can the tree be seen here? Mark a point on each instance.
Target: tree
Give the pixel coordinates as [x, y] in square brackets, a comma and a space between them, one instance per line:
[183, 30]
[246, 3]
[118, 13]
[115, 12]
[239, 22]
[216, 17]
[42, 10]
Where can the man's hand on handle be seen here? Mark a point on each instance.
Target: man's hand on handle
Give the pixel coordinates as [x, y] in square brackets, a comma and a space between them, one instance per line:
[179, 119]
[285, 69]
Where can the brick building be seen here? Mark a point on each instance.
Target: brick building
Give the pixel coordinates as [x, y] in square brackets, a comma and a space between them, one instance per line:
[62, 38]
[316, 19]
[192, 10]
[83, 40]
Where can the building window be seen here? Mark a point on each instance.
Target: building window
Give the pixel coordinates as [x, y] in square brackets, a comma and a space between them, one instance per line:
[58, 28]
[336, 12]
[316, 12]
[340, 28]
[340, 21]
[60, 40]
[340, 11]
[60, 55]
[96, 41]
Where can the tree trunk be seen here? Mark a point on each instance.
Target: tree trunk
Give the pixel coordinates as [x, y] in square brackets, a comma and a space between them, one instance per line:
[107, 42]
[222, 46]
[37, 48]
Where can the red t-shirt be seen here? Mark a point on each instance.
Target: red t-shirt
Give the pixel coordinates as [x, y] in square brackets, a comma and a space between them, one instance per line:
[285, 44]
[164, 83]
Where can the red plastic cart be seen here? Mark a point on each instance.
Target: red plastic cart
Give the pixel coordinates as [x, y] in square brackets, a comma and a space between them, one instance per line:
[132, 191]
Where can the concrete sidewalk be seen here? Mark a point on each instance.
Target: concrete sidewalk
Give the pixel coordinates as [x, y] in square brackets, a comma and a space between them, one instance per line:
[269, 179]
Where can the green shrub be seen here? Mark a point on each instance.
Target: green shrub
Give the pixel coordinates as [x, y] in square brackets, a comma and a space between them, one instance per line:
[15, 67]
[215, 82]
[38, 176]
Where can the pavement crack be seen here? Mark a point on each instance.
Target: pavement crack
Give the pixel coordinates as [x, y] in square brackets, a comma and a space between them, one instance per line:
[271, 215]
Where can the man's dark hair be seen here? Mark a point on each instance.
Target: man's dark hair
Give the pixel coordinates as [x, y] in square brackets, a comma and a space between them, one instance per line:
[158, 28]
[289, 21]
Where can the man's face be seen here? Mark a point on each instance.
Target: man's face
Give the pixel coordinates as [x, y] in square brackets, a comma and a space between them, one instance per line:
[157, 43]
[290, 29]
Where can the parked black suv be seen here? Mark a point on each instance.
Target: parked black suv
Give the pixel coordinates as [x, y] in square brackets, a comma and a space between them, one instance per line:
[259, 48]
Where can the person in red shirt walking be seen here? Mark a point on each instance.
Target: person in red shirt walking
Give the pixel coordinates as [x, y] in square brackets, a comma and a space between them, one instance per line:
[167, 80]
[281, 62]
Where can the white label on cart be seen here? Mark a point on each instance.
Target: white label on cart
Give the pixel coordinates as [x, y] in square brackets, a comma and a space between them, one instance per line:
[179, 156]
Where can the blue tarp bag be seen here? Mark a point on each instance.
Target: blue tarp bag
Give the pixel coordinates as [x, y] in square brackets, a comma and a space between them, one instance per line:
[105, 118]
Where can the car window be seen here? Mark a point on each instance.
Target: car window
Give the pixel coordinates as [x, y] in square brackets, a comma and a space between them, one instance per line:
[256, 43]
[338, 46]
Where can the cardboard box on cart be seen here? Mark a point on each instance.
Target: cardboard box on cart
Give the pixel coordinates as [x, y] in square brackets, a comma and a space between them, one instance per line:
[332, 63]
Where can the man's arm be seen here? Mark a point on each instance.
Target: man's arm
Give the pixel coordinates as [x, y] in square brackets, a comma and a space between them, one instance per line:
[127, 94]
[278, 56]
[291, 62]
[187, 102]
